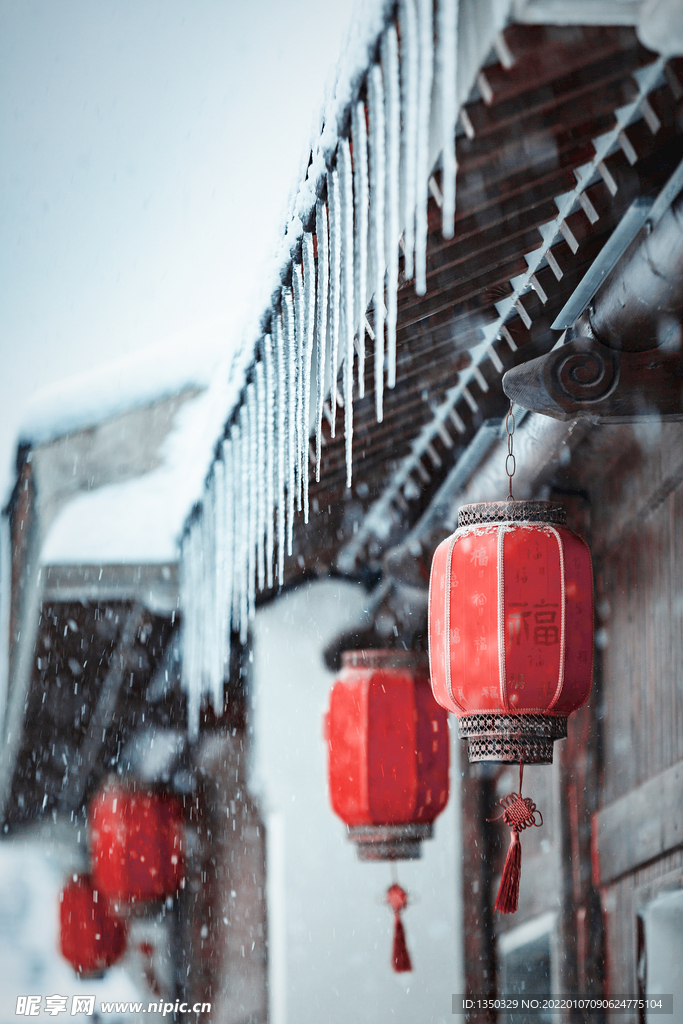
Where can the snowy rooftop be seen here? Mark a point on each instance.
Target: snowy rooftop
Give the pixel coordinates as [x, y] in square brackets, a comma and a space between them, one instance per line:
[184, 361]
[140, 521]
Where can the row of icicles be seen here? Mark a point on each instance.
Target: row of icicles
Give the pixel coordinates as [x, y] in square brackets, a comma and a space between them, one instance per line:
[238, 540]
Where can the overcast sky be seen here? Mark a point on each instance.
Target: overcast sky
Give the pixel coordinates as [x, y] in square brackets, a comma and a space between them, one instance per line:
[147, 154]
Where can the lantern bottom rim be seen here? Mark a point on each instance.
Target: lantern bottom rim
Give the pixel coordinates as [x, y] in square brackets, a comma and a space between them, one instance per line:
[512, 738]
[89, 974]
[390, 842]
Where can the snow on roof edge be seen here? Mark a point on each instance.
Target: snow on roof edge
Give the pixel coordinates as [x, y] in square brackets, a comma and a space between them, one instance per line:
[142, 520]
[362, 40]
[184, 361]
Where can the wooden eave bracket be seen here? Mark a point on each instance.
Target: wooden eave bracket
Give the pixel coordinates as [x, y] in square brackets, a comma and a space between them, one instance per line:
[585, 378]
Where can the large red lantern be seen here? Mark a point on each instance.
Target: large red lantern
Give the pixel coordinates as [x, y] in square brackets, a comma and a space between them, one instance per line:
[91, 936]
[511, 634]
[137, 844]
[511, 628]
[388, 761]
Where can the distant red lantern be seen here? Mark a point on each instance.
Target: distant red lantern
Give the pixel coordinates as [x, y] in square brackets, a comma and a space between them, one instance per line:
[388, 758]
[91, 936]
[511, 635]
[137, 844]
[388, 753]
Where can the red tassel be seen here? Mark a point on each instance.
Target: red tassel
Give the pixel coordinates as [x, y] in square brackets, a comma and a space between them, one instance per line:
[400, 960]
[398, 901]
[519, 813]
[508, 893]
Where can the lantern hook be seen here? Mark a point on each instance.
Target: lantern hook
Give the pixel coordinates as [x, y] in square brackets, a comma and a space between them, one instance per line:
[510, 462]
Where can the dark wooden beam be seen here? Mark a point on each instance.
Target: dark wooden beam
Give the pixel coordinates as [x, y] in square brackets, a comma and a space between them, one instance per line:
[639, 827]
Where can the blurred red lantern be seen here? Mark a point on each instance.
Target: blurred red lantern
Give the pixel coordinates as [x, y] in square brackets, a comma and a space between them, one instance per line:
[388, 752]
[511, 638]
[91, 936]
[137, 844]
[388, 759]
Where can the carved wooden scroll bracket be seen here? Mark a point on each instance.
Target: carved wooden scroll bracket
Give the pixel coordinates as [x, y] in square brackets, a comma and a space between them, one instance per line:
[585, 378]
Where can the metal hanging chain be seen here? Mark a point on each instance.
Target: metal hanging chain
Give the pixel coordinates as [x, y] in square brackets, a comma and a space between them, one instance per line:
[510, 463]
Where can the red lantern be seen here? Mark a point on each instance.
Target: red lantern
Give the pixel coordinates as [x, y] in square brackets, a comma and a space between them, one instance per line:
[511, 637]
[91, 936]
[388, 753]
[137, 844]
[511, 628]
[388, 762]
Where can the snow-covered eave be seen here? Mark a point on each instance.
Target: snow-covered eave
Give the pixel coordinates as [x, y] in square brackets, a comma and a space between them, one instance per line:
[140, 521]
[476, 26]
[396, 133]
[184, 362]
[366, 182]
[153, 585]
[480, 23]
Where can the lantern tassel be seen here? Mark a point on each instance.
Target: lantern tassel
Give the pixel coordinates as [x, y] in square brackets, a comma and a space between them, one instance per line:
[401, 957]
[508, 893]
[398, 901]
[519, 813]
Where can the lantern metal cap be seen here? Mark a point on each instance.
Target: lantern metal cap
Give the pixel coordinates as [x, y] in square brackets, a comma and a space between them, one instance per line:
[389, 842]
[384, 658]
[512, 511]
[512, 738]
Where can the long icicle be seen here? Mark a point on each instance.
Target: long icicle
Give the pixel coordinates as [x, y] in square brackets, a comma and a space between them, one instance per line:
[244, 525]
[425, 15]
[281, 429]
[205, 623]
[197, 681]
[270, 458]
[409, 110]
[334, 204]
[253, 495]
[290, 343]
[377, 180]
[220, 540]
[201, 603]
[191, 668]
[309, 334]
[229, 505]
[298, 297]
[447, 63]
[236, 439]
[323, 284]
[259, 471]
[188, 634]
[347, 266]
[360, 247]
[202, 594]
[219, 569]
[207, 581]
[392, 198]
